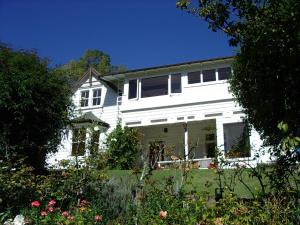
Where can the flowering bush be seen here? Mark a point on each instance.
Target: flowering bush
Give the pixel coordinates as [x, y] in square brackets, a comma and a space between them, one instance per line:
[51, 213]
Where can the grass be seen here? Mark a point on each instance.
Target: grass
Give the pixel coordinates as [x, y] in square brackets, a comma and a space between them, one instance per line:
[199, 180]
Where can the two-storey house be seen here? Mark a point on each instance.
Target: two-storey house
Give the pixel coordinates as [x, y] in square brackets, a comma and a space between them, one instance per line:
[186, 107]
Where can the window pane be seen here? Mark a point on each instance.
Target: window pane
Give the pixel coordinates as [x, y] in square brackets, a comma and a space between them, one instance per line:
[154, 86]
[78, 142]
[224, 73]
[132, 89]
[84, 101]
[176, 83]
[236, 140]
[97, 96]
[194, 77]
[209, 75]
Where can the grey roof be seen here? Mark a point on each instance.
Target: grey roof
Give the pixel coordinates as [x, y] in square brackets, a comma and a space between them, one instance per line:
[171, 65]
[89, 117]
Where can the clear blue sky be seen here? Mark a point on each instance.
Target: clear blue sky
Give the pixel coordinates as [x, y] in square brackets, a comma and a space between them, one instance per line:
[135, 33]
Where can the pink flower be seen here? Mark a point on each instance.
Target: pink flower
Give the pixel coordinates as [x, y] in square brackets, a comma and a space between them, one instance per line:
[163, 214]
[83, 202]
[65, 214]
[98, 218]
[70, 218]
[44, 213]
[50, 209]
[51, 202]
[35, 204]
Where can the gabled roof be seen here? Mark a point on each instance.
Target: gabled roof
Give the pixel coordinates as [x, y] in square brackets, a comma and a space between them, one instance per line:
[88, 75]
[89, 117]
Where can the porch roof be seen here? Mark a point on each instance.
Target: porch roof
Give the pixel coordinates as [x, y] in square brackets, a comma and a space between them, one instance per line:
[89, 117]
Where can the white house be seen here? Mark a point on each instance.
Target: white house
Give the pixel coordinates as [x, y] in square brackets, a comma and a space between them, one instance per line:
[186, 107]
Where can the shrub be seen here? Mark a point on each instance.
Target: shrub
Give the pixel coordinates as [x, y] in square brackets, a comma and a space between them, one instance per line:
[123, 147]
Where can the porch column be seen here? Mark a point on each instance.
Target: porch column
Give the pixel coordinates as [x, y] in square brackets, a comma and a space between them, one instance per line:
[186, 141]
[220, 134]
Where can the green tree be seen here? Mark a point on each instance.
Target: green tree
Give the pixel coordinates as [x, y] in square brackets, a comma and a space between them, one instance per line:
[266, 68]
[34, 107]
[123, 147]
[90, 58]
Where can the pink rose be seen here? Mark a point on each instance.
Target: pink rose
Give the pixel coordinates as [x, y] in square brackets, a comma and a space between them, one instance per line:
[65, 214]
[52, 202]
[44, 213]
[163, 214]
[98, 218]
[35, 204]
[83, 202]
[50, 209]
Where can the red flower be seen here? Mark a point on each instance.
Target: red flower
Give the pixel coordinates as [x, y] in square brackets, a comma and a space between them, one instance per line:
[44, 213]
[35, 204]
[50, 209]
[163, 214]
[65, 214]
[98, 218]
[51, 202]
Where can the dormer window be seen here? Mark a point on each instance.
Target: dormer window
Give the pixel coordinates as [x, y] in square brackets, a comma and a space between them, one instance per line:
[84, 101]
[97, 96]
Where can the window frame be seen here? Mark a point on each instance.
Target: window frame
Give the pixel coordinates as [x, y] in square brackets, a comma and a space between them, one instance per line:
[78, 141]
[97, 97]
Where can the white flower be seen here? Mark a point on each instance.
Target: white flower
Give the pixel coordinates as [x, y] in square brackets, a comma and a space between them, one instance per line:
[8, 222]
[19, 220]
[96, 128]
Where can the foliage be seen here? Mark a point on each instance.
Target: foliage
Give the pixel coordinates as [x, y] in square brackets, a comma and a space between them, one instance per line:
[90, 58]
[123, 147]
[266, 78]
[34, 107]
[17, 187]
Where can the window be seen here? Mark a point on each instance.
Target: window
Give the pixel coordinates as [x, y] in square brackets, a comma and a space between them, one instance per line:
[78, 142]
[154, 86]
[194, 77]
[95, 142]
[84, 101]
[236, 140]
[224, 73]
[132, 89]
[96, 97]
[176, 83]
[210, 145]
[209, 75]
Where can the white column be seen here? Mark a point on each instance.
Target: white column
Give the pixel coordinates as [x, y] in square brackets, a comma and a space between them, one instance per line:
[186, 140]
[220, 133]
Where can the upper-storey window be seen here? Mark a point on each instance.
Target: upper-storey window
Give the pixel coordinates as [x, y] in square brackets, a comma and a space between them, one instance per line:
[194, 77]
[84, 101]
[97, 96]
[176, 83]
[132, 93]
[154, 86]
[224, 73]
[209, 75]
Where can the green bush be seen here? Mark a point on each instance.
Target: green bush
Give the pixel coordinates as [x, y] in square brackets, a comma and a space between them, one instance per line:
[123, 147]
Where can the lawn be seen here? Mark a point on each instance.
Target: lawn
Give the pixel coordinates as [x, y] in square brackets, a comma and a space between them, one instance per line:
[200, 180]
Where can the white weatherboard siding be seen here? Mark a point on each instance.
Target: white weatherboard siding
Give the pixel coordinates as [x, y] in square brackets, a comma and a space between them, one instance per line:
[164, 118]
